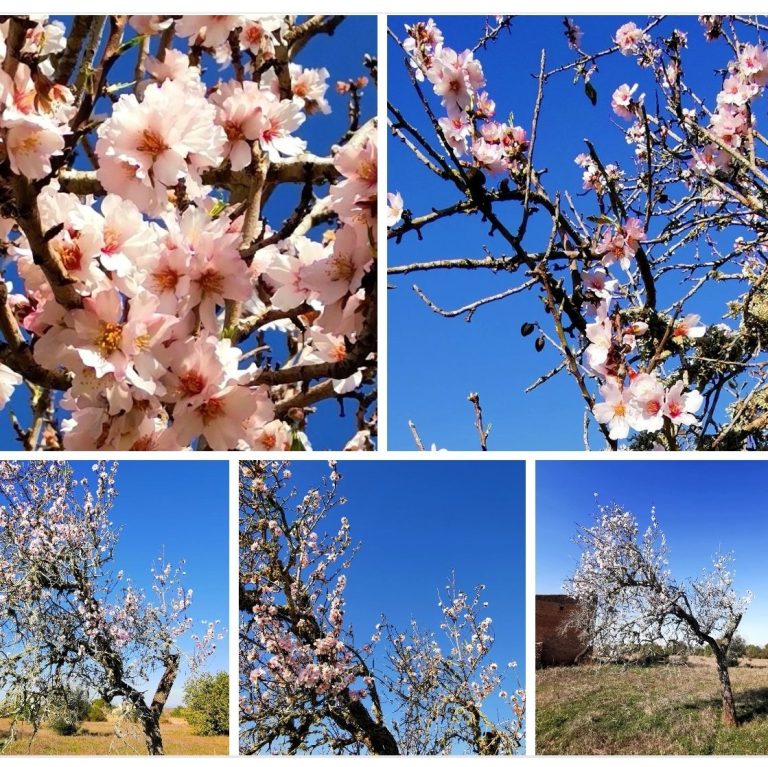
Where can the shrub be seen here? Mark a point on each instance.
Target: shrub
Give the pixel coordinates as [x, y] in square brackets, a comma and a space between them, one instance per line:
[64, 724]
[69, 707]
[98, 711]
[206, 704]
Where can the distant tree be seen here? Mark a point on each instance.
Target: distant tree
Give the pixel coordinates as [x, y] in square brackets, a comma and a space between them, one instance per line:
[206, 703]
[629, 596]
[67, 617]
[736, 650]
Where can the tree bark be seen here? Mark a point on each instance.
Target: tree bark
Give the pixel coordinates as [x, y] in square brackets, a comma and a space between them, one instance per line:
[149, 715]
[152, 736]
[375, 736]
[729, 707]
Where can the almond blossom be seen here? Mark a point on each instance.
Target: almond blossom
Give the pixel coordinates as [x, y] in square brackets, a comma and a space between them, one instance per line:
[623, 103]
[159, 297]
[627, 37]
[139, 141]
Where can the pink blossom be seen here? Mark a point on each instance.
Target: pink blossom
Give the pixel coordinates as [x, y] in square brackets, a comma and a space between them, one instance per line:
[394, 208]
[149, 25]
[219, 418]
[353, 197]
[139, 139]
[273, 435]
[689, 327]
[489, 156]
[599, 283]
[600, 336]
[211, 30]
[753, 64]
[456, 130]
[617, 410]
[31, 145]
[258, 34]
[342, 271]
[273, 128]
[679, 407]
[627, 37]
[648, 395]
[456, 77]
[622, 102]
[620, 244]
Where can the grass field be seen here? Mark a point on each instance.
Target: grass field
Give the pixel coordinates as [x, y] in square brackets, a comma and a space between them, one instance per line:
[99, 738]
[651, 710]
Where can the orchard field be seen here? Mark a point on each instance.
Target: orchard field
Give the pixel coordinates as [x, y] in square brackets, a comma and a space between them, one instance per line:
[650, 710]
[98, 738]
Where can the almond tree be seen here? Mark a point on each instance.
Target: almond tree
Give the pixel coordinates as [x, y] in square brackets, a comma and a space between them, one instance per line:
[67, 618]
[307, 685]
[618, 257]
[628, 597]
[155, 296]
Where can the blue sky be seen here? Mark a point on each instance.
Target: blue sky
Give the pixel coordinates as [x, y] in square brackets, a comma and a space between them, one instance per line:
[704, 507]
[418, 521]
[342, 54]
[435, 362]
[179, 509]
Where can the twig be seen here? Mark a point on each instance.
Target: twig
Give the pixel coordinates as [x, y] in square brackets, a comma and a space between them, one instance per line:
[415, 434]
[483, 432]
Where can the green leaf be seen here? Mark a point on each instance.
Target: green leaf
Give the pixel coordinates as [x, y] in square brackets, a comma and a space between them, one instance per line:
[589, 89]
[128, 44]
[297, 445]
[217, 207]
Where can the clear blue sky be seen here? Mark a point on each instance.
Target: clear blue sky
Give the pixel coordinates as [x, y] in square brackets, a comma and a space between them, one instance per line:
[181, 509]
[704, 507]
[418, 521]
[435, 362]
[342, 54]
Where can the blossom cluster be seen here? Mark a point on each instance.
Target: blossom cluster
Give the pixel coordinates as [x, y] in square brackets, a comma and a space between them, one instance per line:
[170, 277]
[732, 119]
[468, 127]
[631, 398]
[295, 645]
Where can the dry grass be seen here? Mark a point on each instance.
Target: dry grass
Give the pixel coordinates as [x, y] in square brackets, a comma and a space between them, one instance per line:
[653, 710]
[98, 738]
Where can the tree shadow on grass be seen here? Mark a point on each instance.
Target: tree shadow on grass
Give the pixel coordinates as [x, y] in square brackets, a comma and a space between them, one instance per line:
[750, 704]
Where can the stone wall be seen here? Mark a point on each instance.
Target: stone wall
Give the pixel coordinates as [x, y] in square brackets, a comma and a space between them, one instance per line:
[554, 647]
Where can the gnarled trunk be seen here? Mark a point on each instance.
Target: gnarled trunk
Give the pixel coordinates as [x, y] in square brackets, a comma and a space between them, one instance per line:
[152, 737]
[729, 707]
[374, 735]
[149, 715]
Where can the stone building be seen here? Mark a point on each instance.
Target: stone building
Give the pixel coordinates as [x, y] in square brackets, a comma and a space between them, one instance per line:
[556, 645]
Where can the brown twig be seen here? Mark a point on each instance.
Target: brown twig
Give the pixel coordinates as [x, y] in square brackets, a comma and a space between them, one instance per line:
[482, 431]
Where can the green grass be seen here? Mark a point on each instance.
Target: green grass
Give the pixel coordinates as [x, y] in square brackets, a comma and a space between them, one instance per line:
[654, 710]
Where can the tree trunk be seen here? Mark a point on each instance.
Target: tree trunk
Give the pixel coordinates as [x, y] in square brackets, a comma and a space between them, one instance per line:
[152, 737]
[356, 720]
[729, 708]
